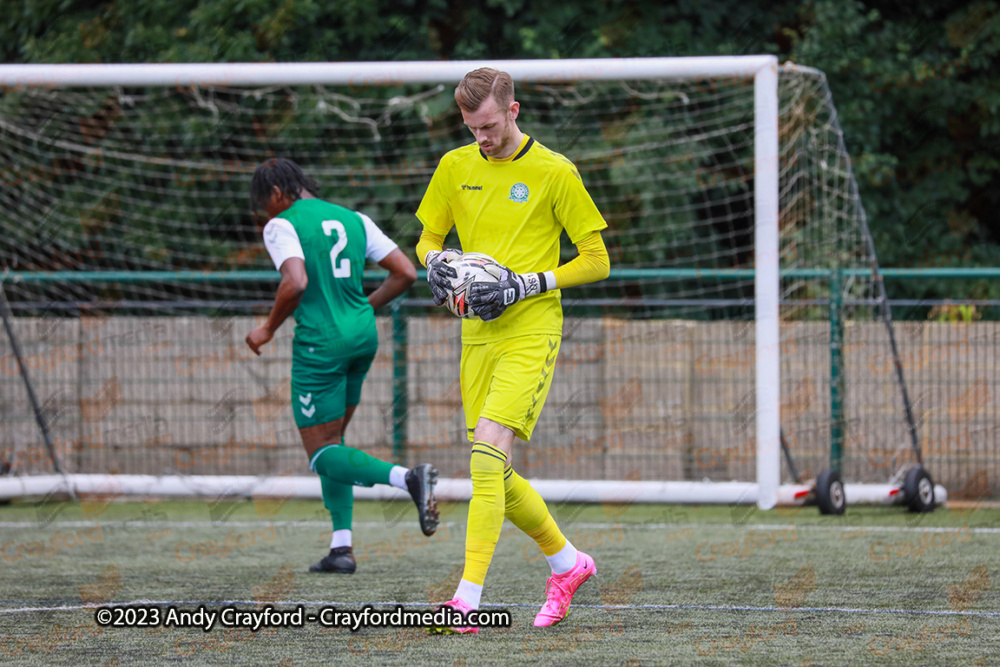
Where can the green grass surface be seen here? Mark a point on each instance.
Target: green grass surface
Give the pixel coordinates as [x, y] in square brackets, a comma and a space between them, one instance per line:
[675, 585]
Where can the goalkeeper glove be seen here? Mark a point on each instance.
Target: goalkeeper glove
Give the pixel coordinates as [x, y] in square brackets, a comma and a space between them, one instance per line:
[490, 300]
[439, 274]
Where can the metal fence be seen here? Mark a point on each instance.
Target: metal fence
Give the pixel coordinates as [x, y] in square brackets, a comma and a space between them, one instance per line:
[155, 392]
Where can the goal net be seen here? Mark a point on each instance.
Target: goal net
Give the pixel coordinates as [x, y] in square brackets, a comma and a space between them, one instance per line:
[134, 268]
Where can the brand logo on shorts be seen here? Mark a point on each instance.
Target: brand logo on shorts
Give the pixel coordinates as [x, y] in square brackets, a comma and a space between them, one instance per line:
[519, 193]
[306, 400]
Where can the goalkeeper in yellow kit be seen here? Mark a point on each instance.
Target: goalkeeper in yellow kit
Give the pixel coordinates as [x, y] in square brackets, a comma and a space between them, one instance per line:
[509, 197]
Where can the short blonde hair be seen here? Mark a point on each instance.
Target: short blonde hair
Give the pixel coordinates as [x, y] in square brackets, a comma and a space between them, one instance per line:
[479, 84]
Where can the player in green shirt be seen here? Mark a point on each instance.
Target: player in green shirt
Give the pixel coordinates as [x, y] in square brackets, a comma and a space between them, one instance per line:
[320, 249]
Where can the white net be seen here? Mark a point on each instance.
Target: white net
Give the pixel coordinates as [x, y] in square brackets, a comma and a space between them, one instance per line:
[142, 372]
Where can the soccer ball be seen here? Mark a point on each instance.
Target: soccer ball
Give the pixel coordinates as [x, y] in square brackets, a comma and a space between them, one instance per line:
[472, 267]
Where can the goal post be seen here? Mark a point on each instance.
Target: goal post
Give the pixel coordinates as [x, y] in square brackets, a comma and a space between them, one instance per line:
[766, 283]
[721, 177]
[364, 75]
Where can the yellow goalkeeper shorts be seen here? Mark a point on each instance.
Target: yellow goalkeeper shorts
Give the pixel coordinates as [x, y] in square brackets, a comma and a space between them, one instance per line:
[507, 381]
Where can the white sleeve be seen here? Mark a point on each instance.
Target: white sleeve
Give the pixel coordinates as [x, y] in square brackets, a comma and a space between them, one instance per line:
[379, 245]
[282, 242]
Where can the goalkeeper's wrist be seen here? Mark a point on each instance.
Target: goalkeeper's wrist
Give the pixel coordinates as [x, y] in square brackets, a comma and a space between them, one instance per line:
[538, 283]
[429, 257]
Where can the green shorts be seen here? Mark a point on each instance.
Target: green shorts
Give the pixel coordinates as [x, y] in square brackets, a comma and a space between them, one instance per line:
[325, 382]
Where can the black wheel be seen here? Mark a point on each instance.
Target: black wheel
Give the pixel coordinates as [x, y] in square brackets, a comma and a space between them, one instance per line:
[4, 469]
[830, 493]
[918, 490]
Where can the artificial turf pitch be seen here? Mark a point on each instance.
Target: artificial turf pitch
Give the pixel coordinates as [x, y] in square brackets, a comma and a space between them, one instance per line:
[675, 585]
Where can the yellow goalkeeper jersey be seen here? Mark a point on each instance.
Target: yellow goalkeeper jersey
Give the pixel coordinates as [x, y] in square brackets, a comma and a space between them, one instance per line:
[513, 210]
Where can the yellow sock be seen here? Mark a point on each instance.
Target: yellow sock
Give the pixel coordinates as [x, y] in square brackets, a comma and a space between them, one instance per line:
[526, 510]
[486, 510]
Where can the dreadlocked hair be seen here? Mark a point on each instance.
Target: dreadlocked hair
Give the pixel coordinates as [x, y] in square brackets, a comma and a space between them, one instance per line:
[282, 172]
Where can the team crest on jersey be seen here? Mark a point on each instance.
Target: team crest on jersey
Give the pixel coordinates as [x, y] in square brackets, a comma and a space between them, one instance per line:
[519, 193]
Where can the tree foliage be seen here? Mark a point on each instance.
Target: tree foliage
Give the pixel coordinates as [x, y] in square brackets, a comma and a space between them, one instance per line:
[914, 83]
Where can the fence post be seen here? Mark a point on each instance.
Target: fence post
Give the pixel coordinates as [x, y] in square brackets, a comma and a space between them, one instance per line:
[400, 392]
[836, 370]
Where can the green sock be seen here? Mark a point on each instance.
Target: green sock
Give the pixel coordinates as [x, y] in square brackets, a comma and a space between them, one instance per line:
[350, 466]
[338, 499]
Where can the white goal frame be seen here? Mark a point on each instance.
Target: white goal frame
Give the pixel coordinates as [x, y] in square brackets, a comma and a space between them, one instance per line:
[766, 492]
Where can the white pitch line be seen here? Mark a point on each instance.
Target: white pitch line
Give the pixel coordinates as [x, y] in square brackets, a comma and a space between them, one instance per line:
[890, 529]
[453, 524]
[786, 526]
[532, 605]
[179, 524]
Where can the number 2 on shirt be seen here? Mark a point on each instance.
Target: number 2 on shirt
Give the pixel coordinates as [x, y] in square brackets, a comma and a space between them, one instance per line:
[344, 269]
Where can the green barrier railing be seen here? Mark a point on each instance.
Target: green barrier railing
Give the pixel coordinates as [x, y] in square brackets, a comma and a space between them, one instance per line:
[616, 274]
[399, 310]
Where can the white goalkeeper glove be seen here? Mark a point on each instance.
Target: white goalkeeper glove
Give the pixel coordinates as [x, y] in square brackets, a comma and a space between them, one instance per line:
[490, 300]
[439, 274]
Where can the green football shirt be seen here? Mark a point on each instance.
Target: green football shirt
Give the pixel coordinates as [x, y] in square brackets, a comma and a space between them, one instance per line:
[334, 242]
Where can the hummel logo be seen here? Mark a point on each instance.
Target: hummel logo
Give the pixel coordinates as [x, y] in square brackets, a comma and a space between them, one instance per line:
[309, 412]
[472, 187]
[307, 399]
[271, 233]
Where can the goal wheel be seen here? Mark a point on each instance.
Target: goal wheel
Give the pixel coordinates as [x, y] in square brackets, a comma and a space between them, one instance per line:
[918, 490]
[830, 493]
[4, 469]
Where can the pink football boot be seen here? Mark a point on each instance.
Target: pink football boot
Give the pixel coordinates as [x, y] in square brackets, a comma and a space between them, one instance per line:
[560, 588]
[457, 604]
